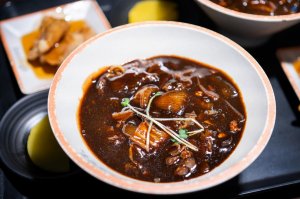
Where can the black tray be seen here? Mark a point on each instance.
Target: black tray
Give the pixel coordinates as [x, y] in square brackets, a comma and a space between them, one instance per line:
[277, 170]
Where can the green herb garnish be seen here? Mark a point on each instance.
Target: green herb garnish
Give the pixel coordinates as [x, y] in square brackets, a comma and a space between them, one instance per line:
[158, 93]
[183, 133]
[173, 140]
[125, 102]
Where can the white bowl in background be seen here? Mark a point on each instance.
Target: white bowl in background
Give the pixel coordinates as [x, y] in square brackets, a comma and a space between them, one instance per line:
[247, 29]
[143, 40]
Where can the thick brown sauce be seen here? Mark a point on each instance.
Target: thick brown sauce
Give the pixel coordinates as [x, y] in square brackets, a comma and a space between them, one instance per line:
[45, 71]
[215, 144]
[262, 7]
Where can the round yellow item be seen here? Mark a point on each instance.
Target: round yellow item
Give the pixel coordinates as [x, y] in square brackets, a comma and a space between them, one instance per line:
[151, 10]
[44, 150]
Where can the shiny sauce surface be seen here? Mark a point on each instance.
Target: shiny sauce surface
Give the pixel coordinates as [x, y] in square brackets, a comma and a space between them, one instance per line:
[176, 88]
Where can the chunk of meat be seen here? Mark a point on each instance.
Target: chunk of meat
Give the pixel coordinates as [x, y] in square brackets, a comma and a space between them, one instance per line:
[51, 31]
[173, 101]
[139, 135]
[143, 95]
[129, 129]
[172, 84]
[123, 115]
[70, 41]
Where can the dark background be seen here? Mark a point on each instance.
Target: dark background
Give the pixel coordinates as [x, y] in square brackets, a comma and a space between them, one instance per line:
[276, 171]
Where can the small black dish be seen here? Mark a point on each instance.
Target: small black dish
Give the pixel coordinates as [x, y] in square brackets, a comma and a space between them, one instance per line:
[14, 130]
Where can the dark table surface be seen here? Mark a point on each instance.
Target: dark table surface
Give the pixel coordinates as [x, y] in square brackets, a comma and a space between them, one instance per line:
[276, 171]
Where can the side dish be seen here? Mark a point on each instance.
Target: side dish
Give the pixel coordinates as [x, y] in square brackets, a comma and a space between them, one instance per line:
[52, 42]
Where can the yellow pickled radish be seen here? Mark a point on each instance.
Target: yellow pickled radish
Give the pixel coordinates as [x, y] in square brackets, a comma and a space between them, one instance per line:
[152, 10]
[43, 149]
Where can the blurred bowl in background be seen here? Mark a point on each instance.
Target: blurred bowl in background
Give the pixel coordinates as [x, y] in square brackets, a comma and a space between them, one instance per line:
[248, 30]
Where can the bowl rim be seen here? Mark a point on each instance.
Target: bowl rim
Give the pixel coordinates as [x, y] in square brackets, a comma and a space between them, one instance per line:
[176, 187]
[250, 17]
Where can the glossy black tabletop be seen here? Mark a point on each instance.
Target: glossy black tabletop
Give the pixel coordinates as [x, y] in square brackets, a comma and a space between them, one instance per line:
[276, 171]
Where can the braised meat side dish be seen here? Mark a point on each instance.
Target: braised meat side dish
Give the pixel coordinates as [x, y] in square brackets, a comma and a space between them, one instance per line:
[52, 42]
[262, 7]
[162, 119]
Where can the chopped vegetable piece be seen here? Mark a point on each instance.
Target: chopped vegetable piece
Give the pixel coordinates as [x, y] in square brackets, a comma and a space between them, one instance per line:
[172, 101]
[123, 115]
[143, 95]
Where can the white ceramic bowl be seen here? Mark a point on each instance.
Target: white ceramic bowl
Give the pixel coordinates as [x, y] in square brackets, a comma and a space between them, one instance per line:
[125, 43]
[247, 29]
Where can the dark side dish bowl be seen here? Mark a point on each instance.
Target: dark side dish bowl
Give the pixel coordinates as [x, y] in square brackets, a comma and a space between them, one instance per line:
[161, 108]
[15, 128]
